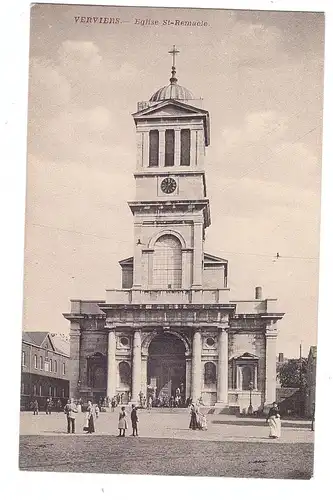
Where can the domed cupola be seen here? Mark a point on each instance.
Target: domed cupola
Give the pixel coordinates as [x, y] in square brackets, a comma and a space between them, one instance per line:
[173, 90]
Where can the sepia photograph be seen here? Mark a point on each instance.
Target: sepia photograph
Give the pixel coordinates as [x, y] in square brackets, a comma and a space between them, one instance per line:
[172, 229]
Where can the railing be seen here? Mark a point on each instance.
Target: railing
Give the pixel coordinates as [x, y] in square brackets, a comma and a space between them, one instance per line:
[166, 296]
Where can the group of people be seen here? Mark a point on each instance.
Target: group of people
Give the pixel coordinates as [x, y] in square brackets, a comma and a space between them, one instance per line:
[198, 420]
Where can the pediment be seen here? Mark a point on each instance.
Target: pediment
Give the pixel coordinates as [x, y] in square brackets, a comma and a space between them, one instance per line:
[170, 107]
[246, 356]
[126, 262]
[213, 259]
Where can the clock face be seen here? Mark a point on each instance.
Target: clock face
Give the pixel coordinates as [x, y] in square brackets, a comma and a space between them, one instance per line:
[168, 185]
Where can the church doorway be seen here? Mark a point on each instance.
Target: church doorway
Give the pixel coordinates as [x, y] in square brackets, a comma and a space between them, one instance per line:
[166, 370]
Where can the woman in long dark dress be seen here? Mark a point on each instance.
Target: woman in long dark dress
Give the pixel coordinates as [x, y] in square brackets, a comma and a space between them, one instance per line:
[274, 422]
[194, 418]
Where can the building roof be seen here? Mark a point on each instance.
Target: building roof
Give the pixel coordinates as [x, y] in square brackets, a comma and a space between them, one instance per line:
[38, 339]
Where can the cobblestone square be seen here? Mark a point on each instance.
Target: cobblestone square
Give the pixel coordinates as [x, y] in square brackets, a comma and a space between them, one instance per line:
[233, 447]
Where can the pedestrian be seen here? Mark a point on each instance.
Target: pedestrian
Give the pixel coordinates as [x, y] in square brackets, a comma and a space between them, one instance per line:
[70, 410]
[113, 404]
[204, 426]
[134, 420]
[274, 422]
[35, 407]
[194, 425]
[48, 406]
[122, 424]
[91, 415]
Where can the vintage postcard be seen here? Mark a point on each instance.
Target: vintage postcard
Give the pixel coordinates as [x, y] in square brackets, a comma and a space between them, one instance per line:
[172, 241]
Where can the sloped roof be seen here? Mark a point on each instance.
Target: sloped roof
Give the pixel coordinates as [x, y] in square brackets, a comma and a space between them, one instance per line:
[209, 258]
[38, 339]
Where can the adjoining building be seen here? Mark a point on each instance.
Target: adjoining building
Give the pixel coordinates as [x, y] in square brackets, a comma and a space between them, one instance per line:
[171, 326]
[310, 398]
[44, 370]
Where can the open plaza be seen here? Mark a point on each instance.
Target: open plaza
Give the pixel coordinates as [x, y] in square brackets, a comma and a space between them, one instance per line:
[232, 446]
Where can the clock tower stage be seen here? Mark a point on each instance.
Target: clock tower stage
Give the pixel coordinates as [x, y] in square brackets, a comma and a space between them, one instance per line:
[172, 329]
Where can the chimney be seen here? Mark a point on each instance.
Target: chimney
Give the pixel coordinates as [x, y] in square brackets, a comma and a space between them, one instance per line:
[258, 293]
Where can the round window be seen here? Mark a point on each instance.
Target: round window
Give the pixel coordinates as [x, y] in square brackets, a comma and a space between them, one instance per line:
[210, 342]
[124, 341]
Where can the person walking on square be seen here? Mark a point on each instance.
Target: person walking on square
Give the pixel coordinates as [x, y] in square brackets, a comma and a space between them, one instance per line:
[70, 411]
[48, 406]
[91, 415]
[122, 424]
[194, 425]
[35, 407]
[274, 422]
[134, 420]
[113, 404]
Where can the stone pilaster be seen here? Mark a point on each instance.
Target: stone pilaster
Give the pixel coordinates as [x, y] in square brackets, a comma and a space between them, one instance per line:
[137, 260]
[74, 365]
[145, 149]
[196, 375]
[222, 367]
[136, 366]
[112, 373]
[270, 378]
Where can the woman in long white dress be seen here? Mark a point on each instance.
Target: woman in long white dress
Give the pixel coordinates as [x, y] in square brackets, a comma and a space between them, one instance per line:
[122, 423]
[274, 422]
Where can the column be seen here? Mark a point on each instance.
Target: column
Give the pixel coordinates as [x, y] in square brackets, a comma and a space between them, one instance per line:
[136, 366]
[196, 376]
[112, 375]
[188, 377]
[197, 255]
[177, 147]
[144, 375]
[161, 148]
[222, 367]
[270, 379]
[74, 372]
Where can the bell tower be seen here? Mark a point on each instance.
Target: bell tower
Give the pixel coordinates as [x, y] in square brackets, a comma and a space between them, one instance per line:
[171, 209]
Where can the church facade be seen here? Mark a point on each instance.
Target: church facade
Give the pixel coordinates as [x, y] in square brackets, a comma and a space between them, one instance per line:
[171, 325]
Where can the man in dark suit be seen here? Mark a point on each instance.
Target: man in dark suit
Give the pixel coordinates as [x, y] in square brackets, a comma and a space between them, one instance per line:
[134, 419]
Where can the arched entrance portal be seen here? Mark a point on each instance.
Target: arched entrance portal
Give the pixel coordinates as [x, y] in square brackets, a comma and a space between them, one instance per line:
[166, 370]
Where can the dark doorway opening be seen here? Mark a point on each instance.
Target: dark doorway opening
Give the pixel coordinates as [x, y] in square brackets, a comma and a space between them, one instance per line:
[166, 370]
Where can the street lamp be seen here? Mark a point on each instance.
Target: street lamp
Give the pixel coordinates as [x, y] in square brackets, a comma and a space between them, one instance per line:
[250, 409]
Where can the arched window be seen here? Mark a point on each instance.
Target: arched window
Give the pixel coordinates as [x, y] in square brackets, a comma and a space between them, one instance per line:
[169, 148]
[55, 366]
[210, 374]
[153, 148]
[51, 365]
[185, 146]
[124, 374]
[167, 262]
[41, 362]
[35, 361]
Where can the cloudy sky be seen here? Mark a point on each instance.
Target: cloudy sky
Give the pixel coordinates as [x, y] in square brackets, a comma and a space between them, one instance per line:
[261, 77]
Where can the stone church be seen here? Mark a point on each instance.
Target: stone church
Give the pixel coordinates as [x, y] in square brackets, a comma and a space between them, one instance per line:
[171, 325]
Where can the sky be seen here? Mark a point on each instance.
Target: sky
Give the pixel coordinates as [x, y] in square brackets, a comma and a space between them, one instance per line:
[260, 75]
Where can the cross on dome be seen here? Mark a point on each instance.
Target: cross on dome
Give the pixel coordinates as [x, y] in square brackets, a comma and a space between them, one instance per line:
[173, 52]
